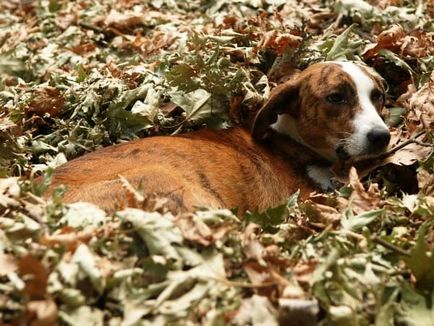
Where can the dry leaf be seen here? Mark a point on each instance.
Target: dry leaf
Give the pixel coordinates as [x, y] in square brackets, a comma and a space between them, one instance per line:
[7, 264]
[363, 200]
[416, 44]
[42, 313]
[123, 21]
[323, 213]
[68, 237]
[35, 276]
[420, 106]
[252, 248]
[46, 100]
[194, 229]
[425, 182]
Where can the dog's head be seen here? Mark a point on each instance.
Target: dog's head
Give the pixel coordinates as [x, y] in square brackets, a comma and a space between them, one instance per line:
[331, 107]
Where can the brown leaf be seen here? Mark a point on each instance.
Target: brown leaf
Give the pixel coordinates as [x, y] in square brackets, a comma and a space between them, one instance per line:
[363, 200]
[64, 20]
[194, 230]
[257, 274]
[304, 270]
[322, 213]
[83, 48]
[410, 153]
[7, 263]
[389, 39]
[42, 313]
[420, 106]
[68, 237]
[46, 100]
[252, 248]
[425, 182]
[417, 44]
[35, 276]
[123, 21]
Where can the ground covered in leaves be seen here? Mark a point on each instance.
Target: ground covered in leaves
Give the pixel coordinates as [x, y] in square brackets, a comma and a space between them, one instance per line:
[79, 75]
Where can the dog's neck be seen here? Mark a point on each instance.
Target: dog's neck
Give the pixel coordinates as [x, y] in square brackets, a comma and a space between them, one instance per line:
[294, 150]
[316, 166]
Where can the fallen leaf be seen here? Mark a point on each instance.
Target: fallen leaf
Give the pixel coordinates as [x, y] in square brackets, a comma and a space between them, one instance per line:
[410, 153]
[8, 263]
[35, 276]
[362, 200]
[124, 21]
[425, 182]
[256, 311]
[42, 313]
[194, 229]
[420, 106]
[46, 100]
[252, 248]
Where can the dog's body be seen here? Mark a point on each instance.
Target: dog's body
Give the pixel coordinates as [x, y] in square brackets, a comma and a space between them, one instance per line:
[329, 112]
[216, 168]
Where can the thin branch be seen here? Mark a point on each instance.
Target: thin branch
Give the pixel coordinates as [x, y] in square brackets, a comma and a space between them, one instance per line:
[390, 246]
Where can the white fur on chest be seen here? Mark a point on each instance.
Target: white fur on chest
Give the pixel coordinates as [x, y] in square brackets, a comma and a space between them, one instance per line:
[322, 176]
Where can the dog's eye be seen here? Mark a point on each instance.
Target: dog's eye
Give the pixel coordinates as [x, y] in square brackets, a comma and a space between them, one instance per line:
[376, 96]
[336, 98]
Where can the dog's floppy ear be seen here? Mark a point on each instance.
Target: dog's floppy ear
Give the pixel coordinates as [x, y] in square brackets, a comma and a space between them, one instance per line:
[283, 99]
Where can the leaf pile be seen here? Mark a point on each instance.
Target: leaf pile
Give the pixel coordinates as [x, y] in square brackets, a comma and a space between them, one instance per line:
[79, 75]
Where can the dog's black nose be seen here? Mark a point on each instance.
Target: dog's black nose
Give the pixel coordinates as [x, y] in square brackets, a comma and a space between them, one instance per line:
[378, 138]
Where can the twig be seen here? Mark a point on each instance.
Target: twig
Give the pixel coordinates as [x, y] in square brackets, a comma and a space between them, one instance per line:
[107, 34]
[244, 284]
[390, 246]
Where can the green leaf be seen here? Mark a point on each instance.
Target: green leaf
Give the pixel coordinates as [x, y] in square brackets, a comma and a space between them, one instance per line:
[80, 215]
[395, 59]
[196, 104]
[156, 230]
[127, 123]
[415, 309]
[356, 223]
[272, 217]
[420, 262]
[343, 47]
[87, 263]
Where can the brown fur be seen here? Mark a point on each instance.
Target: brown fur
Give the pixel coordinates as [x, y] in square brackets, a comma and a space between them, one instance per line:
[217, 168]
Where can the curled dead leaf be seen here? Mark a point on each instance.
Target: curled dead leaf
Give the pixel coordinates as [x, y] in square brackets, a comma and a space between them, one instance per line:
[416, 44]
[363, 200]
[425, 182]
[420, 106]
[68, 237]
[252, 248]
[412, 152]
[7, 264]
[42, 313]
[35, 276]
[46, 100]
[194, 229]
[123, 21]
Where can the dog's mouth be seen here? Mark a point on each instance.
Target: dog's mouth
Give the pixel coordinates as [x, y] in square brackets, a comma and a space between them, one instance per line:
[342, 153]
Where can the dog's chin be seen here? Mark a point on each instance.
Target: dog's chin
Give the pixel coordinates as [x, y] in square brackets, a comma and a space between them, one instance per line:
[342, 153]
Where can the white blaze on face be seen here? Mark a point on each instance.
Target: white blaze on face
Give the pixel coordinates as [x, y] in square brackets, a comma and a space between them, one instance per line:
[368, 118]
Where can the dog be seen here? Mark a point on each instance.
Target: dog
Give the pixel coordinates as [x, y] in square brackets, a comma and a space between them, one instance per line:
[331, 111]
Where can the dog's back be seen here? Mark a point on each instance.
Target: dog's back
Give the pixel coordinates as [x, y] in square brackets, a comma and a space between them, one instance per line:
[214, 168]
